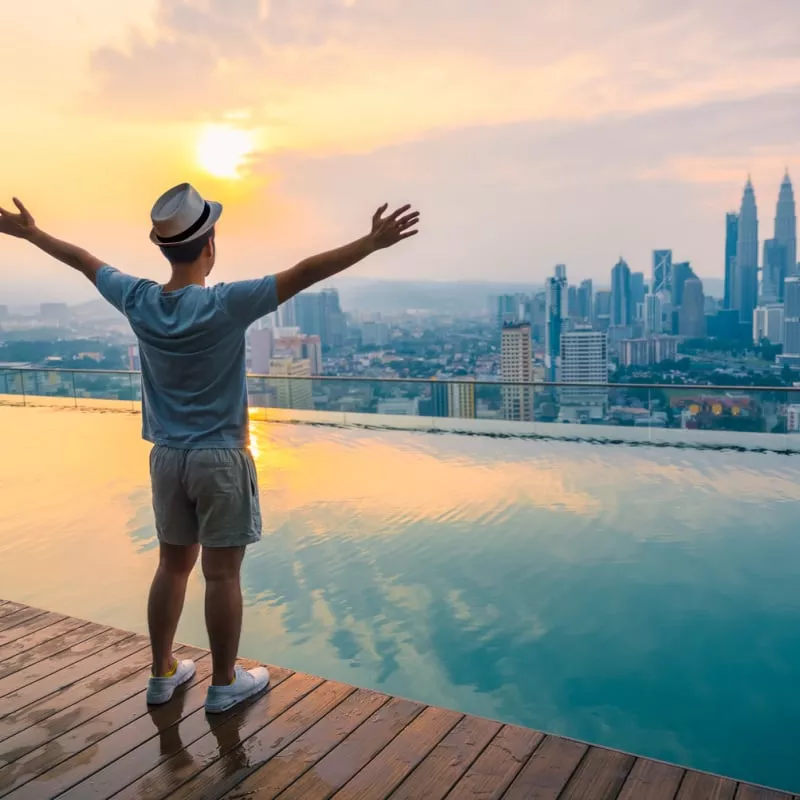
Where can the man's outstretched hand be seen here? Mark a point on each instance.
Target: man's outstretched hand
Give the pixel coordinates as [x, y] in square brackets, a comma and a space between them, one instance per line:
[399, 225]
[21, 225]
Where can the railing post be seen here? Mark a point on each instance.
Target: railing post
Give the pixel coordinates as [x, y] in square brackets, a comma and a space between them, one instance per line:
[74, 391]
[22, 382]
[130, 381]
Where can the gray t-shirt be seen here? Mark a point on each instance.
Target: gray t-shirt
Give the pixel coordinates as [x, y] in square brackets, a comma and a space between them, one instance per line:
[192, 350]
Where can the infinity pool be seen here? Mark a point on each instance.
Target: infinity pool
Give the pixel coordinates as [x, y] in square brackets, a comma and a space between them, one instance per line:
[646, 599]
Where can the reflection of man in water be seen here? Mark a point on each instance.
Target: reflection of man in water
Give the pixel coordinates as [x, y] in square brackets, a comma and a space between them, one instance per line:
[194, 409]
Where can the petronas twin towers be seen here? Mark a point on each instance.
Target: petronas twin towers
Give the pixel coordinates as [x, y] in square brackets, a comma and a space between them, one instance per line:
[741, 252]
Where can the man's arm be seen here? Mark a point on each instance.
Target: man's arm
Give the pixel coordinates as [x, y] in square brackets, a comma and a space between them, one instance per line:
[386, 231]
[23, 226]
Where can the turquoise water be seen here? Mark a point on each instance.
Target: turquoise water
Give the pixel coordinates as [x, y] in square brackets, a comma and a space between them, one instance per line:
[641, 598]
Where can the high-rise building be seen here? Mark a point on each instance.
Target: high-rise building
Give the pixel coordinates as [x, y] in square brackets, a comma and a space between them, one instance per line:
[508, 309]
[664, 348]
[653, 315]
[461, 399]
[286, 316]
[556, 311]
[319, 314]
[622, 305]
[584, 360]
[440, 399]
[374, 334]
[311, 350]
[635, 352]
[291, 392]
[791, 317]
[775, 268]
[746, 283]
[516, 366]
[768, 323]
[573, 311]
[662, 272]
[585, 300]
[693, 310]
[261, 350]
[637, 288]
[731, 240]
[538, 319]
[786, 224]
[681, 272]
[134, 359]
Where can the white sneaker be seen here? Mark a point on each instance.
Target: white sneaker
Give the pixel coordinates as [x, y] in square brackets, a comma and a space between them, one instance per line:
[246, 684]
[160, 690]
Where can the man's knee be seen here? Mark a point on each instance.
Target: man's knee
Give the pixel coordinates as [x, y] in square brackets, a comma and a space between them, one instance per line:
[222, 563]
[176, 559]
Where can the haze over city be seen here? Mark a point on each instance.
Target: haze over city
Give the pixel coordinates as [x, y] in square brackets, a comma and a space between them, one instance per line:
[528, 134]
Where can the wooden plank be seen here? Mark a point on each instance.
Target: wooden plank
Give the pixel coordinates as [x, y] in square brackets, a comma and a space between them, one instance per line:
[55, 645]
[37, 622]
[701, 786]
[58, 626]
[498, 765]
[18, 617]
[449, 760]
[548, 770]
[99, 638]
[158, 767]
[269, 780]
[10, 608]
[651, 780]
[599, 776]
[73, 756]
[396, 761]
[256, 748]
[80, 670]
[54, 716]
[747, 792]
[355, 752]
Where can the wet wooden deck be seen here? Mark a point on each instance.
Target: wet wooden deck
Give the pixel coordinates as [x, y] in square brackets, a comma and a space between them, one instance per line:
[74, 724]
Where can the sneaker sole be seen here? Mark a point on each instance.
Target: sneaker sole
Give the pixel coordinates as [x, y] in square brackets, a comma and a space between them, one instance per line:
[228, 706]
[160, 702]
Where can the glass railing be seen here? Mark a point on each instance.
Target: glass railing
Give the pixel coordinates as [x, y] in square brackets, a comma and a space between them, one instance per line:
[715, 415]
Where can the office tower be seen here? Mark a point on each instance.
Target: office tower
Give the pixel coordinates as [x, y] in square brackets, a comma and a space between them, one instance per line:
[538, 320]
[775, 269]
[308, 314]
[622, 306]
[681, 272]
[791, 317]
[731, 240]
[461, 399]
[516, 366]
[768, 323]
[653, 315]
[285, 315]
[440, 399]
[692, 313]
[746, 272]
[507, 309]
[786, 224]
[662, 272]
[134, 360]
[311, 351]
[637, 288]
[556, 297]
[319, 314]
[573, 311]
[635, 352]
[291, 392]
[585, 300]
[584, 359]
[260, 350]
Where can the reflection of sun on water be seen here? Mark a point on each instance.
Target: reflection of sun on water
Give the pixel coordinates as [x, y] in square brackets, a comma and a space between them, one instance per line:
[223, 149]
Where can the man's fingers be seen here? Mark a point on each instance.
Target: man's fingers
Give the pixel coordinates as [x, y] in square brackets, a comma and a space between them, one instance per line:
[4, 212]
[409, 219]
[408, 233]
[24, 211]
[376, 217]
[397, 212]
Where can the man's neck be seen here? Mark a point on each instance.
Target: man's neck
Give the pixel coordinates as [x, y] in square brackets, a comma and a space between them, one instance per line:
[184, 275]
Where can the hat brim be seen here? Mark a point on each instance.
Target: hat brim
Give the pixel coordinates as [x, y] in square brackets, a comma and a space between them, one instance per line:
[214, 215]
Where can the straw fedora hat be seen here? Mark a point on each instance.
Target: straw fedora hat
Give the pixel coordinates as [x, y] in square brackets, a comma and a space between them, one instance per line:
[181, 215]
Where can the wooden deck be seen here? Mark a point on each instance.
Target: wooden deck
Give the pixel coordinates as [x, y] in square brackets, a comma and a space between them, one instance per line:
[74, 724]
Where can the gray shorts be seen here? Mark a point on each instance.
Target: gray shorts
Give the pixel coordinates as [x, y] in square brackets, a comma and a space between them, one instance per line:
[207, 497]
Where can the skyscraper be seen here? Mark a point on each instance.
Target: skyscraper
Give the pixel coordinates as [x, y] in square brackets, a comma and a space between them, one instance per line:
[786, 224]
[585, 300]
[731, 240]
[572, 303]
[556, 310]
[516, 366]
[768, 323]
[653, 315]
[681, 272]
[662, 272]
[791, 317]
[637, 288]
[692, 312]
[746, 282]
[775, 269]
[584, 359]
[622, 307]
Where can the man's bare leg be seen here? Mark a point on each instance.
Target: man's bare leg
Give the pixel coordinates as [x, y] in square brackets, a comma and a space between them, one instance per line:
[165, 603]
[221, 568]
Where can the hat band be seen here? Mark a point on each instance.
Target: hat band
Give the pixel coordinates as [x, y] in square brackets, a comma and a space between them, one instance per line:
[191, 230]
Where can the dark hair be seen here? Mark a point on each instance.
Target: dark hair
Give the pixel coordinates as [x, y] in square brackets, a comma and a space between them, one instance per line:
[189, 252]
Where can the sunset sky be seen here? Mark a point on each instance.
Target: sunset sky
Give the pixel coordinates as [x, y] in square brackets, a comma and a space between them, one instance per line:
[527, 133]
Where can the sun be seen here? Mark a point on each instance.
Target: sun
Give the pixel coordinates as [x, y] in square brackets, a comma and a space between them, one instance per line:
[222, 150]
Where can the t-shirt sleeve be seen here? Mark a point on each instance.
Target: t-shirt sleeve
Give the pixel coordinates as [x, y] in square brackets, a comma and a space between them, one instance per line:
[114, 286]
[247, 301]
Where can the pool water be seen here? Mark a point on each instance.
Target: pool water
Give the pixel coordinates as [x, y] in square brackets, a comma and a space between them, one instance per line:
[642, 598]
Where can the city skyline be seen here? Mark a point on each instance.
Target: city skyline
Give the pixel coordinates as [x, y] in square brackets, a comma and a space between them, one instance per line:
[625, 129]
